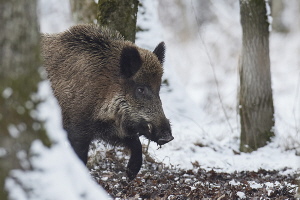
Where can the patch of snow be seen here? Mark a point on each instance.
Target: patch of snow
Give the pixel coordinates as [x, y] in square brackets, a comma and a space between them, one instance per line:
[7, 92]
[234, 182]
[269, 15]
[13, 131]
[255, 185]
[15, 190]
[268, 184]
[241, 195]
[193, 188]
[3, 152]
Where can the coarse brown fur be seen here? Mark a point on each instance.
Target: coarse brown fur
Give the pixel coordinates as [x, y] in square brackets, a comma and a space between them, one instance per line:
[108, 89]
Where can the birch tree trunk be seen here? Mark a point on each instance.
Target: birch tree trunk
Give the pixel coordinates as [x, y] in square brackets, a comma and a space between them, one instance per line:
[255, 95]
[19, 62]
[119, 15]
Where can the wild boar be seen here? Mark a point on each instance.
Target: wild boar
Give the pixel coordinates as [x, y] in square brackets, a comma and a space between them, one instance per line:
[107, 88]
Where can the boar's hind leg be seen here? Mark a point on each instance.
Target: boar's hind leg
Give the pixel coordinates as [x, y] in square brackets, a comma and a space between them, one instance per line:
[80, 145]
[135, 161]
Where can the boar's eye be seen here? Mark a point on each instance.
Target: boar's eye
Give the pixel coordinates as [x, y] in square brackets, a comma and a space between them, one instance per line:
[143, 91]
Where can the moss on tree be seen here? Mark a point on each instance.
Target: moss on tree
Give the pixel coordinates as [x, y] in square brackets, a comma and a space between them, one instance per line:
[119, 15]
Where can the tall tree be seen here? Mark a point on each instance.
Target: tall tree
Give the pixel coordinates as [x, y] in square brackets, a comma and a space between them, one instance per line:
[19, 62]
[277, 7]
[255, 95]
[119, 15]
[84, 11]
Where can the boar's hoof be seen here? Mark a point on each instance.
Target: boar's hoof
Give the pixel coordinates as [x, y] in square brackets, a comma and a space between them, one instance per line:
[131, 174]
[165, 140]
[133, 168]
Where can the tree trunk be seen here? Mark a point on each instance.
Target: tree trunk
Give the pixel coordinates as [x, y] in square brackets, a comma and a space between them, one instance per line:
[19, 62]
[84, 11]
[277, 7]
[119, 15]
[255, 100]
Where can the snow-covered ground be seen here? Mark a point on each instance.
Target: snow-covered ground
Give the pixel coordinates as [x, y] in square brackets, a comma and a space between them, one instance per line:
[201, 99]
[202, 71]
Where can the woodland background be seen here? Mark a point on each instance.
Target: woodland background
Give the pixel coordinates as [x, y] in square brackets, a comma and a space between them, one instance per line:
[200, 96]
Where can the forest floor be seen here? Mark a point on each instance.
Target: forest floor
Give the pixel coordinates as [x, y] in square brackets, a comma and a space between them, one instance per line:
[156, 181]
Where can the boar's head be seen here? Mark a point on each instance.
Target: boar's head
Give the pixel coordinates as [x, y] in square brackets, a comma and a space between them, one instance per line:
[141, 72]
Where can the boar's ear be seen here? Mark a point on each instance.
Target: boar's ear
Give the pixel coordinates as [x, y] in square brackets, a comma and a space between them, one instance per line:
[130, 61]
[159, 51]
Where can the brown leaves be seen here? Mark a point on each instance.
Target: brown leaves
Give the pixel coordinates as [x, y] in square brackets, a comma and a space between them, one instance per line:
[156, 181]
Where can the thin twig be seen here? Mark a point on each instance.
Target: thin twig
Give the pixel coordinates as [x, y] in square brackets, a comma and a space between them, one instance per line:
[213, 70]
[295, 102]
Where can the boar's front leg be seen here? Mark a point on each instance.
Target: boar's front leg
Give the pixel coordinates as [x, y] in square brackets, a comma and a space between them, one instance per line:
[80, 144]
[136, 159]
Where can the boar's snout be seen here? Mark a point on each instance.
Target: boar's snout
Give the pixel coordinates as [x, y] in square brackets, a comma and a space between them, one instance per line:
[165, 134]
[160, 134]
[167, 137]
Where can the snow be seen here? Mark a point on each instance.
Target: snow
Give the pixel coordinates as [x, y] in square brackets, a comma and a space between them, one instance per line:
[241, 195]
[201, 101]
[255, 185]
[270, 19]
[2, 152]
[234, 182]
[13, 131]
[203, 78]
[7, 92]
[56, 176]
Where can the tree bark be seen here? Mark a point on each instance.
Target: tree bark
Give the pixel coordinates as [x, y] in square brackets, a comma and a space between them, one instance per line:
[255, 95]
[19, 62]
[84, 11]
[119, 15]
